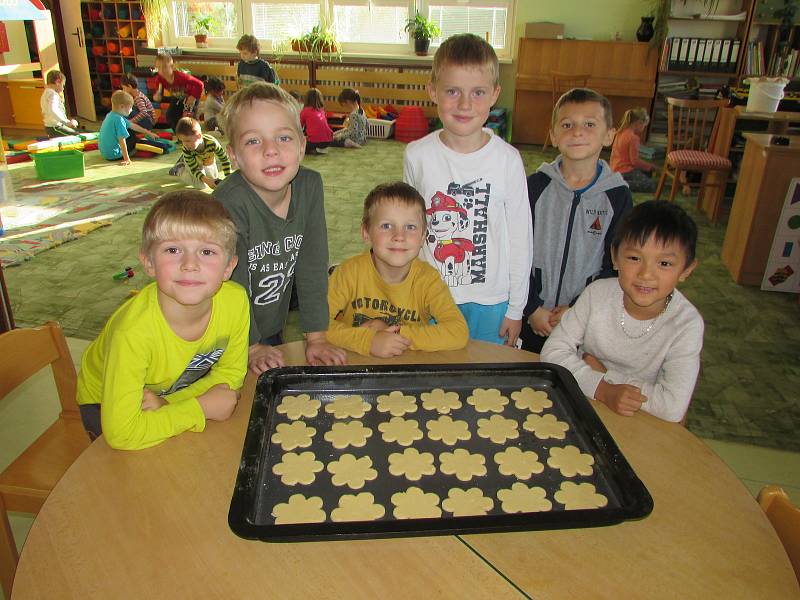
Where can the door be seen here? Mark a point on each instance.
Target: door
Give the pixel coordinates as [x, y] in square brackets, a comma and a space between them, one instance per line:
[78, 62]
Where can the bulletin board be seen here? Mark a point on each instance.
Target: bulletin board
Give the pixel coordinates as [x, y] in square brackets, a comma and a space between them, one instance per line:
[783, 265]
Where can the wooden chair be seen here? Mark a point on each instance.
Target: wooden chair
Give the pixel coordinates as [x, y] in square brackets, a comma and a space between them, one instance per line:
[26, 482]
[785, 518]
[692, 125]
[564, 82]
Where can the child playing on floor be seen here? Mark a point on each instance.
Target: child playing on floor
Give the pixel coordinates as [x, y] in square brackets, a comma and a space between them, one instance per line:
[278, 209]
[185, 90]
[354, 133]
[252, 68]
[576, 203]
[54, 115]
[214, 103]
[143, 113]
[175, 355]
[625, 152]
[634, 342]
[201, 153]
[315, 123]
[386, 300]
[116, 140]
[479, 225]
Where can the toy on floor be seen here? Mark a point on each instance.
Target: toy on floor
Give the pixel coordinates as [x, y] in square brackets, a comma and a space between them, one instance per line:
[123, 275]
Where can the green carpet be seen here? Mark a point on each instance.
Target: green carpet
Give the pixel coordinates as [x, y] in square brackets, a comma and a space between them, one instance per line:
[748, 388]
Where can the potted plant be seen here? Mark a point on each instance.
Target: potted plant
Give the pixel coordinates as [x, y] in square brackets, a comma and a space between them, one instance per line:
[318, 44]
[202, 27]
[422, 30]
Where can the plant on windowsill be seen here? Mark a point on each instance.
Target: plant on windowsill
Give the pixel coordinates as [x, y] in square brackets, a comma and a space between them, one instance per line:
[203, 24]
[319, 44]
[422, 30]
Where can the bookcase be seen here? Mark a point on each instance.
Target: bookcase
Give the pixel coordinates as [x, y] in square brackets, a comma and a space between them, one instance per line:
[115, 33]
[764, 43]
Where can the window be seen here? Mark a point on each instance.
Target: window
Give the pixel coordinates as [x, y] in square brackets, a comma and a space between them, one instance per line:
[225, 24]
[370, 21]
[283, 20]
[486, 19]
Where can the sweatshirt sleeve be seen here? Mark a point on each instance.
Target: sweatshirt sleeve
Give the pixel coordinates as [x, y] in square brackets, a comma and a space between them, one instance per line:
[537, 182]
[344, 335]
[222, 157]
[621, 204]
[520, 235]
[450, 331]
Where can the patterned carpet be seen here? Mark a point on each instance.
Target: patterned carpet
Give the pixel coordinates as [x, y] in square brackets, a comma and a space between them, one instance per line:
[750, 380]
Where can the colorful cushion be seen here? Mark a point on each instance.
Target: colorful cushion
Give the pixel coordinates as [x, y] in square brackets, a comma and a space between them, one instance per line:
[696, 159]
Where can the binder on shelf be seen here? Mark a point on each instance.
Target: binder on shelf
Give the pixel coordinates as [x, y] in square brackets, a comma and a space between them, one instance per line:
[716, 52]
[683, 54]
[674, 52]
[691, 58]
[734, 59]
[700, 62]
[707, 53]
[725, 56]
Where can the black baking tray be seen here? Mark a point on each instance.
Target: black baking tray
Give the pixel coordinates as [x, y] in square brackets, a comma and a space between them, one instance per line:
[257, 489]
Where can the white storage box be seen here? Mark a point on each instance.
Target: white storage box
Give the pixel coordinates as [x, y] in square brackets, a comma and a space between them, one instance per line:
[380, 128]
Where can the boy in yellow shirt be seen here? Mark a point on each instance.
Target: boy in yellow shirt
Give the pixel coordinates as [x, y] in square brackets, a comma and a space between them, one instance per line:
[386, 300]
[175, 355]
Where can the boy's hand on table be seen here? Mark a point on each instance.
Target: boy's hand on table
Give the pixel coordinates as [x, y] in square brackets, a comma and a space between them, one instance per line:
[622, 398]
[320, 352]
[556, 314]
[540, 322]
[510, 329]
[218, 402]
[595, 364]
[151, 400]
[389, 343]
[261, 357]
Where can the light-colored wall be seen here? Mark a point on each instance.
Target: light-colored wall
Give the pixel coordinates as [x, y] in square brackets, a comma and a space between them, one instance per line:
[19, 47]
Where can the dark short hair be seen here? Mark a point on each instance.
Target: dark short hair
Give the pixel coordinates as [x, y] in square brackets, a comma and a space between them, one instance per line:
[187, 126]
[667, 221]
[249, 43]
[398, 191]
[580, 96]
[349, 95]
[129, 79]
[215, 84]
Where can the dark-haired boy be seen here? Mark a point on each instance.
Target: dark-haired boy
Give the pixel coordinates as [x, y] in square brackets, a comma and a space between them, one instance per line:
[252, 68]
[576, 202]
[634, 342]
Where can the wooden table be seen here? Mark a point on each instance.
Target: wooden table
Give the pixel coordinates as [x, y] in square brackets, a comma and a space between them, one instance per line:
[153, 524]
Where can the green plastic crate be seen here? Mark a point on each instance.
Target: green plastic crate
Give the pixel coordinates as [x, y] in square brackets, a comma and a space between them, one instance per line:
[64, 164]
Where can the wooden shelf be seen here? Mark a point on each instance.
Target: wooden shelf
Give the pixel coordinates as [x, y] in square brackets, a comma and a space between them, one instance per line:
[700, 73]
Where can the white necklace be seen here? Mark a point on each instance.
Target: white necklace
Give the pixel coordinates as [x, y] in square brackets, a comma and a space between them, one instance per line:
[647, 329]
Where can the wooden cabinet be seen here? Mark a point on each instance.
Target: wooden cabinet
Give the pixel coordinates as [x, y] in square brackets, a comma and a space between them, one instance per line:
[625, 72]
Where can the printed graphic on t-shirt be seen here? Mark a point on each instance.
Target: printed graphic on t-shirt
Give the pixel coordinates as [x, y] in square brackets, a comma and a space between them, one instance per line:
[457, 228]
[382, 309]
[271, 266]
[197, 368]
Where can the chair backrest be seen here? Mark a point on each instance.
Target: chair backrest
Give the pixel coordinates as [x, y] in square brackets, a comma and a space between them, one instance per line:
[564, 82]
[27, 351]
[691, 123]
[785, 518]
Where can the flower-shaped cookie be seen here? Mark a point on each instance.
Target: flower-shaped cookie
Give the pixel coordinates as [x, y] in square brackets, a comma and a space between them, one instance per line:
[411, 463]
[530, 399]
[546, 426]
[298, 468]
[343, 435]
[521, 498]
[447, 430]
[570, 461]
[440, 401]
[487, 400]
[347, 407]
[295, 407]
[462, 464]
[498, 429]
[403, 431]
[416, 504]
[465, 503]
[397, 403]
[575, 496]
[299, 509]
[358, 507]
[351, 471]
[293, 435]
[513, 461]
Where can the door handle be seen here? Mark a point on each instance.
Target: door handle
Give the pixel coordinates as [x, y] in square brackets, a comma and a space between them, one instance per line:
[80, 38]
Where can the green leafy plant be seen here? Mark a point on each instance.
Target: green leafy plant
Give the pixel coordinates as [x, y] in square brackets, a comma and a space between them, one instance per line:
[203, 24]
[421, 28]
[318, 44]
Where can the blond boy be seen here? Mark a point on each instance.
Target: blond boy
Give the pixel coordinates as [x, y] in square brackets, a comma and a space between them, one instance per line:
[115, 140]
[175, 354]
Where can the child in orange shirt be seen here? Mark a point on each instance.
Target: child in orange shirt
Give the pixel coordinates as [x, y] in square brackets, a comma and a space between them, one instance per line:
[625, 152]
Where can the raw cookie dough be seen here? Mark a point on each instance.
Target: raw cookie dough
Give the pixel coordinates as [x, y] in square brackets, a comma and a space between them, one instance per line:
[298, 468]
[299, 509]
[521, 464]
[546, 426]
[416, 504]
[343, 435]
[295, 407]
[521, 498]
[440, 401]
[462, 464]
[498, 429]
[347, 407]
[411, 463]
[358, 507]
[575, 496]
[487, 400]
[530, 399]
[466, 503]
[397, 404]
[351, 471]
[570, 461]
[293, 435]
[403, 431]
[447, 430]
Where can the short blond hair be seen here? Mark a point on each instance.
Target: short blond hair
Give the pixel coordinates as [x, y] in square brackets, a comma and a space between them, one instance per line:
[164, 58]
[188, 214]
[395, 191]
[466, 50]
[258, 91]
[121, 98]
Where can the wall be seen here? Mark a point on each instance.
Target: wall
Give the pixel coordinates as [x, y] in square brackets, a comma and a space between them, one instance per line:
[19, 48]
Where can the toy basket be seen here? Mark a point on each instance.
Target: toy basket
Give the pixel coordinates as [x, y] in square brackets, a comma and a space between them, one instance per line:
[64, 164]
[379, 128]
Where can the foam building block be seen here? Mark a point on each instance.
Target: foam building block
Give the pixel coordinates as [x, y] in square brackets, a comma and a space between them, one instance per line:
[54, 143]
[23, 145]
